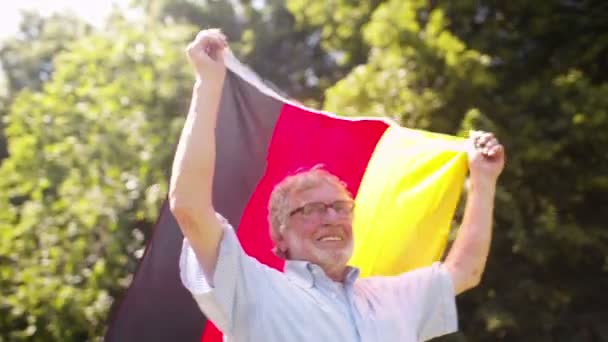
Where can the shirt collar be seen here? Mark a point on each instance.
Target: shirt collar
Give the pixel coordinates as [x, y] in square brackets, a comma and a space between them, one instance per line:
[306, 273]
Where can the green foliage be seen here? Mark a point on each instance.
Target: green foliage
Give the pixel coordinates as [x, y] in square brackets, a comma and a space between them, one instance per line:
[91, 118]
[339, 23]
[531, 72]
[27, 58]
[417, 73]
[85, 178]
[265, 35]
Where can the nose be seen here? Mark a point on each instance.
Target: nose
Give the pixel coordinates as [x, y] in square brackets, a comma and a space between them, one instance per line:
[331, 214]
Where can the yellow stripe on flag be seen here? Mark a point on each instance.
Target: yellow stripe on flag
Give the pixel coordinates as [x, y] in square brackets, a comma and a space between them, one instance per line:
[406, 201]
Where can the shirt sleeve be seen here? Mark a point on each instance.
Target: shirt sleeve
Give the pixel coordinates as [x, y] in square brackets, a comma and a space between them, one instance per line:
[234, 281]
[436, 300]
[428, 296]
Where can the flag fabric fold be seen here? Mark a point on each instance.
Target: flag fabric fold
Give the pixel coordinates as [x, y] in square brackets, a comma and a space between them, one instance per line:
[406, 185]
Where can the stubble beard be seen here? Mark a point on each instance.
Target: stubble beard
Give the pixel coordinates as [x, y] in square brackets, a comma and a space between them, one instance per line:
[334, 258]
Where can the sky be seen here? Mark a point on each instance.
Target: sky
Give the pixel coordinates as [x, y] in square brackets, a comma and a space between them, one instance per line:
[93, 11]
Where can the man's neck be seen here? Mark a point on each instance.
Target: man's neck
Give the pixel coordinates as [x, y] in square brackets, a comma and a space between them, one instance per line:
[335, 273]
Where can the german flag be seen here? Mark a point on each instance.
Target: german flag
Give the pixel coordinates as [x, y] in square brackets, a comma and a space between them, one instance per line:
[406, 185]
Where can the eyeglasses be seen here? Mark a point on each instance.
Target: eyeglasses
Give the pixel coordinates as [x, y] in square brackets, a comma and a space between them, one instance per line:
[342, 208]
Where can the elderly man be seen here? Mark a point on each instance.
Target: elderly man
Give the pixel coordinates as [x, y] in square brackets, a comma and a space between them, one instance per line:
[318, 297]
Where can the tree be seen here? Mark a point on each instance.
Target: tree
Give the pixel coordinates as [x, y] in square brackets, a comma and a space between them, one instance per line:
[90, 123]
[26, 59]
[266, 37]
[531, 72]
[89, 152]
[92, 116]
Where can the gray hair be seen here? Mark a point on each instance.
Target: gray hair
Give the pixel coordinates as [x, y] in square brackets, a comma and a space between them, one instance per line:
[280, 198]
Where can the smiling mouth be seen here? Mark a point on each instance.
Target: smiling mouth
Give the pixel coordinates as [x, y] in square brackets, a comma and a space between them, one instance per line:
[330, 238]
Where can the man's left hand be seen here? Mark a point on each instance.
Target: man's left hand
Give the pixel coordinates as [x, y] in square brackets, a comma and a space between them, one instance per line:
[486, 156]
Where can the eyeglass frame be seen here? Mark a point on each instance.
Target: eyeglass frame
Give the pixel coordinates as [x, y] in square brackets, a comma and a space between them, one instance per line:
[326, 207]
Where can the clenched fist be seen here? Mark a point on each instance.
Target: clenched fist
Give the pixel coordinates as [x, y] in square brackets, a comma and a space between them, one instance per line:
[206, 54]
[486, 155]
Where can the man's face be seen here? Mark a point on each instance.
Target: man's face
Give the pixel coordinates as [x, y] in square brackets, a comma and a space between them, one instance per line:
[318, 233]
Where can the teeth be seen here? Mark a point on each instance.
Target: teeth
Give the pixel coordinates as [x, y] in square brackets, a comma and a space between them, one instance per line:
[331, 238]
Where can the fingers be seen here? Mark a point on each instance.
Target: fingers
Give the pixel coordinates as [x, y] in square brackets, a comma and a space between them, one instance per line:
[212, 39]
[482, 138]
[208, 43]
[486, 143]
[494, 151]
[216, 32]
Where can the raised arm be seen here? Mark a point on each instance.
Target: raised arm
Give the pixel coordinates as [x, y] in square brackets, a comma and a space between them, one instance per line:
[190, 191]
[466, 260]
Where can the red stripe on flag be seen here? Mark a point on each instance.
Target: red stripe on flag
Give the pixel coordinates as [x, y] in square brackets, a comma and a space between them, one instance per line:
[302, 139]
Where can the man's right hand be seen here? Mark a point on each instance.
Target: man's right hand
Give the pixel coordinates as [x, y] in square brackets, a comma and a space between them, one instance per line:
[205, 53]
[194, 162]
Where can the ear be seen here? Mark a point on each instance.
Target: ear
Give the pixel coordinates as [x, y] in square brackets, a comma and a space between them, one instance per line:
[279, 238]
[276, 236]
